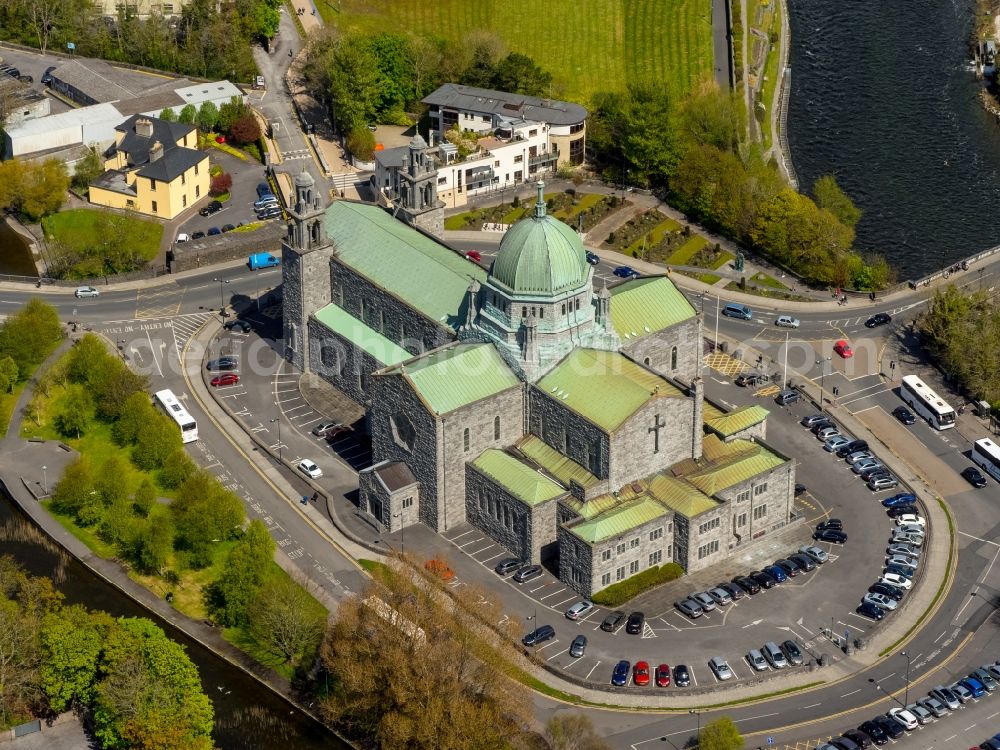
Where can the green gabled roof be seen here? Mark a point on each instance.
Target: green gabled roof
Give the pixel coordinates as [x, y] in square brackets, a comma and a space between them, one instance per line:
[555, 463]
[645, 306]
[618, 520]
[710, 411]
[422, 272]
[520, 480]
[459, 375]
[680, 496]
[361, 335]
[605, 387]
[743, 465]
[737, 420]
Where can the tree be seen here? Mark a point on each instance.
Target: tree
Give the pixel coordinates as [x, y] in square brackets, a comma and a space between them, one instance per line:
[230, 112]
[354, 84]
[361, 143]
[19, 660]
[208, 117]
[167, 114]
[135, 413]
[109, 481]
[73, 420]
[485, 48]
[519, 74]
[155, 441]
[9, 374]
[144, 498]
[245, 129]
[115, 386]
[74, 488]
[27, 335]
[248, 562]
[88, 169]
[712, 117]
[720, 734]
[221, 183]
[188, 114]
[153, 541]
[71, 642]
[204, 512]
[176, 469]
[829, 195]
[286, 621]
[571, 731]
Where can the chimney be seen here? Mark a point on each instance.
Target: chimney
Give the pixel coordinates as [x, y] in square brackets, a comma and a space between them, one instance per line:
[698, 428]
[144, 127]
[155, 151]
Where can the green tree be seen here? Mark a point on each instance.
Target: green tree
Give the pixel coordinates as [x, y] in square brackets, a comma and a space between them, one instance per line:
[73, 419]
[829, 195]
[168, 115]
[34, 189]
[19, 661]
[88, 169]
[485, 48]
[9, 373]
[115, 387]
[720, 734]
[87, 357]
[246, 566]
[149, 693]
[286, 621]
[230, 112]
[109, 482]
[393, 61]
[27, 335]
[354, 83]
[74, 488]
[176, 469]
[188, 114]
[519, 74]
[144, 498]
[204, 513]
[208, 117]
[136, 412]
[155, 441]
[712, 117]
[71, 643]
[153, 541]
[361, 143]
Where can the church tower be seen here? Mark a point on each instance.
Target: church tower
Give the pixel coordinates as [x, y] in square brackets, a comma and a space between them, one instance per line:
[305, 269]
[418, 204]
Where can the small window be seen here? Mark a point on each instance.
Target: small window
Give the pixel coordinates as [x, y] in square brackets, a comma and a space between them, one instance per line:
[563, 308]
[152, 185]
[620, 574]
[577, 304]
[606, 579]
[605, 555]
[154, 209]
[741, 520]
[673, 358]
[496, 427]
[407, 502]
[184, 201]
[465, 439]
[183, 180]
[524, 312]
[197, 191]
[621, 548]
[633, 567]
[645, 361]
[760, 489]
[655, 558]
[633, 543]
[759, 512]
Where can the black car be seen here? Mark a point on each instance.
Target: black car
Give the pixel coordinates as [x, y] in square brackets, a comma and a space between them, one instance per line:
[844, 743]
[747, 584]
[875, 732]
[766, 580]
[799, 489]
[853, 446]
[635, 623]
[507, 566]
[821, 425]
[790, 568]
[682, 677]
[903, 510]
[873, 611]
[974, 476]
[593, 258]
[893, 592]
[197, 235]
[539, 635]
[830, 523]
[859, 738]
[228, 227]
[893, 728]
[878, 319]
[830, 535]
[736, 592]
[527, 573]
[237, 325]
[214, 231]
[792, 652]
[803, 561]
[748, 380]
[211, 208]
[613, 621]
[47, 75]
[225, 364]
[904, 415]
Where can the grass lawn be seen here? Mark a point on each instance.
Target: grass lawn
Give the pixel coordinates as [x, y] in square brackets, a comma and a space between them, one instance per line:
[769, 87]
[586, 201]
[80, 229]
[594, 46]
[705, 278]
[682, 255]
[762, 279]
[734, 286]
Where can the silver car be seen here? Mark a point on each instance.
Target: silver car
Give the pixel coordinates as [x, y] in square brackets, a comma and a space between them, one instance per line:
[946, 696]
[721, 596]
[933, 705]
[689, 607]
[904, 561]
[757, 660]
[885, 482]
[826, 433]
[865, 465]
[903, 549]
[858, 456]
[786, 321]
[86, 291]
[707, 602]
[834, 442]
[881, 600]
[721, 668]
[817, 554]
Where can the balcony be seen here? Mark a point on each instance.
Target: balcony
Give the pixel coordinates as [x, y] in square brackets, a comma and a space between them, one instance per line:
[544, 160]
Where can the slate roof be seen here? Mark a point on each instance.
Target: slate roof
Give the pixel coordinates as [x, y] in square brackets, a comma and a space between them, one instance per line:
[520, 480]
[471, 98]
[647, 305]
[456, 376]
[425, 274]
[394, 475]
[174, 162]
[605, 387]
[137, 146]
[361, 335]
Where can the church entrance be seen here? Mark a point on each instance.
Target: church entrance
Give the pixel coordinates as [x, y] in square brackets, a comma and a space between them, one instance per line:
[375, 507]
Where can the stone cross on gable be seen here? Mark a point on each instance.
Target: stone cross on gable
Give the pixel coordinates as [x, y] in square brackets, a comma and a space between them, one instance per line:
[655, 429]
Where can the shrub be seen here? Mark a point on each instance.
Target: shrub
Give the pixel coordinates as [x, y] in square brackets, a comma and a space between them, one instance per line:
[221, 183]
[245, 129]
[621, 592]
[254, 151]
[361, 143]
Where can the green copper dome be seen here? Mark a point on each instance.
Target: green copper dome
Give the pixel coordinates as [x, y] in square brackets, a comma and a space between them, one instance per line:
[540, 255]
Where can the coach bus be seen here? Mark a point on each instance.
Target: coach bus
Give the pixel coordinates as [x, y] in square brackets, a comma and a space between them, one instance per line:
[986, 453]
[927, 403]
[167, 401]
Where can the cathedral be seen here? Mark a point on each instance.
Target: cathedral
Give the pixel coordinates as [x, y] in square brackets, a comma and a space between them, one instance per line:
[567, 423]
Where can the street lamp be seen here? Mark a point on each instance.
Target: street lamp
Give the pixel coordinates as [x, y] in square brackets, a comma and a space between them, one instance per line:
[45, 480]
[697, 736]
[906, 700]
[402, 540]
[822, 382]
[278, 422]
[222, 298]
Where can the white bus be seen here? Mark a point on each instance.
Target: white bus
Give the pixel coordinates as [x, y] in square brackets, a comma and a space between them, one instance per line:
[927, 403]
[167, 401]
[986, 453]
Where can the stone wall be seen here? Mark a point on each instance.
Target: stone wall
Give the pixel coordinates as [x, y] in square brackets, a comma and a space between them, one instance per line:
[229, 246]
[615, 557]
[576, 564]
[340, 363]
[305, 283]
[568, 432]
[633, 452]
[713, 527]
[744, 499]
[655, 350]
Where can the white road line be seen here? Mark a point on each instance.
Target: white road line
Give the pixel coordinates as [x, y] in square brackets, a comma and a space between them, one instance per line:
[886, 677]
[694, 679]
[559, 604]
[971, 726]
[473, 554]
[554, 593]
[557, 653]
[464, 533]
[550, 643]
[286, 390]
[812, 706]
[491, 559]
[288, 412]
[851, 693]
[592, 670]
[537, 588]
[474, 541]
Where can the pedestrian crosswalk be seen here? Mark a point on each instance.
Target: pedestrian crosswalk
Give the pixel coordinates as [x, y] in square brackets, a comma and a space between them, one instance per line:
[302, 153]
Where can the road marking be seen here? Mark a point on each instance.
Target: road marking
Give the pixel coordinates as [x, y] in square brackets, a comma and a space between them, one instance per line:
[557, 653]
[472, 554]
[542, 599]
[539, 588]
[851, 693]
[886, 677]
[559, 604]
[812, 706]
[592, 670]
[490, 559]
[474, 541]
[464, 533]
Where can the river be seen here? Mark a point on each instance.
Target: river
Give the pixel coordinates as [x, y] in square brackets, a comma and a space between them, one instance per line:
[248, 716]
[881, 97]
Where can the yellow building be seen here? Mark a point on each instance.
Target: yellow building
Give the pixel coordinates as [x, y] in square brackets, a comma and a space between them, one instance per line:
[153, 168]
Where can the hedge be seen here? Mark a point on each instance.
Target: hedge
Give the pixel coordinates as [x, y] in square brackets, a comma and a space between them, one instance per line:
[621, 592]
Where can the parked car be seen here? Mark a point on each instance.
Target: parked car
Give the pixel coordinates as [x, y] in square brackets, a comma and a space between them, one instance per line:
[946, 696]
[86, 291]
[932, 704]
[690, 608]
[527, 573]
[903, 560]
[539, 635]
[214, 231]
[682, 675]
[878, 319]
[923, 715]
[735, 592]
[901, 510]
[221, 365]
[578, 610]
[973, 476]
[241, 326]
[704, 599]
[866, 464]
[593, 258]
[748, 584]
[774, 655]
[777, 573]
[900, 548]
[893, 592]
[853, 447]
[828, 432]
[790, 568]
[635, 622]
[858, 456]
[322, 428]
[228, 227]
[904, 415]
[309, 468]
[756, 660]
[913, 518]
[805, 562]
[911, 528]
[197, 235]
[619, 677]
[229, 378]
[961, 692]
[265, 201]
[786, 321]
[843, 349]
[904, 717]
[817, 554]
[507, 566]
[662, 676]
[868, 609]
[613, 621]
[904, 498]
[859, 738]
[720, 596]
[269, 213]
[263, 189]
[749, 380]
[974, 686]
[813, 419]
[820, 425]
[578, 647]
[787, 396]
[626, 272]
[211, 208]
[905, 572]
[830, 523]
[882, 483]
[985, 678]
[893, 728]
[640, 673]
[873, 730]
[765, 580]
[881, 600]
[792, 652]
[47, 75]
[834, 442]
[720, 667]
[844, 743]
[831, 535]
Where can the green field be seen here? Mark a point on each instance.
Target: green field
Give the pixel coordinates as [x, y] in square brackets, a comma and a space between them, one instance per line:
[80, 229]
[592, 46]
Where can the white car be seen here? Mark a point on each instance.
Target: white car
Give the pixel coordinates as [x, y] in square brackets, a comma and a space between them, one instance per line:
[910, 519]
[309, 468]
[904, 717]
[881, 600]
[895, 579]
[817, 554]
[86, 291]
[721, 668]
[182, 237]
[786, 321]
[911, 528]
[578, 610]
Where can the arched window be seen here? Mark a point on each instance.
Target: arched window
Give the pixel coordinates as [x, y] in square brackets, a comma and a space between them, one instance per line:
[673, 358]
[645, 361]
[465, 439]
[496, 427]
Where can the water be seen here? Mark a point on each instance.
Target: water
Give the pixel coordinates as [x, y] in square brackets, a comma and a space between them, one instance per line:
[881, 97]
[247, 715]
[15, 256]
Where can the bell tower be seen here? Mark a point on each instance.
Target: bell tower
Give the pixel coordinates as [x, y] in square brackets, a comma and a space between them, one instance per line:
[418, 203]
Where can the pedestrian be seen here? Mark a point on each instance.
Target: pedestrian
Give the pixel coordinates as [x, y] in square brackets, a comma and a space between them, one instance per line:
[315, 497]
[305, 499]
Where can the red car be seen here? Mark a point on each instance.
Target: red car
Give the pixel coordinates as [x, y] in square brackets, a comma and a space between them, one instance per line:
[474, 255]
[663, 676]
[229, 378]
[843, 349]
[640, 673]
